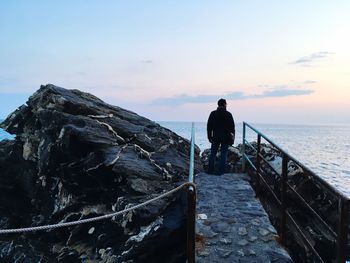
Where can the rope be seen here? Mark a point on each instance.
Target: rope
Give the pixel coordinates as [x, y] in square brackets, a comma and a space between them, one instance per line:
[97, 218]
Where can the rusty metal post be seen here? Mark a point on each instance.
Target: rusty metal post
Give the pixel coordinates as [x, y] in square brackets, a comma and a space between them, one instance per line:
[191, 224]
[258, 165]
[342, 238]
[243, 148]
[191, 206]
[283, 197]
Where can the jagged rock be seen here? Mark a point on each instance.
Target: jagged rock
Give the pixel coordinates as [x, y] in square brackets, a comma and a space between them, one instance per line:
[233, 160]
[75, 157]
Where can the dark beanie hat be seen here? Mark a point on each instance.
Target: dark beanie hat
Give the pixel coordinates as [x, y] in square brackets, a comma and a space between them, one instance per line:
[221, 102]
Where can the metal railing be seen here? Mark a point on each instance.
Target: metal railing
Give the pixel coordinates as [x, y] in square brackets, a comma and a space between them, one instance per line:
[282, 196]
[191, 205]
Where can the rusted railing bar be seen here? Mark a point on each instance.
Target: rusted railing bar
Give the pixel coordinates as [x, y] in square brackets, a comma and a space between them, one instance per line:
[191, 225]
[249, 161]
[314, 213]
[267, 162]
[270, 189]
[243, 150]
[250, 145]
[301, 165]
[283, 197]
[343, 229]
[258, 165]
[344, 203]
[301, 233]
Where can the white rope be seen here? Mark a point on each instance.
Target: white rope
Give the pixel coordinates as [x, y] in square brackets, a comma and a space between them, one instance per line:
[93, 219]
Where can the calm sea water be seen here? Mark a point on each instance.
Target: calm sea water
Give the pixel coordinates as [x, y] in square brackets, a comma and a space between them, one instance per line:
[324, 149]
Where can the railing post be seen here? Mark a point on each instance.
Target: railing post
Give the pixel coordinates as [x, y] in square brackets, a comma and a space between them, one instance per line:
[191, 168]
[258, 165]
[342, 238]
[243, 149]
[191, 206]
[283, 197]
[191, 225]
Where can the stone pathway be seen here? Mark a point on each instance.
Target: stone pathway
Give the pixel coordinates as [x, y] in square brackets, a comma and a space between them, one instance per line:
[232, 225]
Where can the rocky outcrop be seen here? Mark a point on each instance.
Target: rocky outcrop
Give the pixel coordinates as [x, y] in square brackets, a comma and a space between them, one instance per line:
[76, 157]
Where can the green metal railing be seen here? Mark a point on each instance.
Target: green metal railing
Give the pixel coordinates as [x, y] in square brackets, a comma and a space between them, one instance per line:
[191, 205]
[340, 235]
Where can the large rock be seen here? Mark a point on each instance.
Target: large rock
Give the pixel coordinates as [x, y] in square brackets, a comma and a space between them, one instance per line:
[76, 157]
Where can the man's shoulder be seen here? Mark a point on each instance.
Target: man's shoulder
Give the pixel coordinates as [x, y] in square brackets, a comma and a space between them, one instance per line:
[226, 112]
[213, 112]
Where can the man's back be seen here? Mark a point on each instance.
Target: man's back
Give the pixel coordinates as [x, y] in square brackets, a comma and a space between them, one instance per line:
[220, 125]
[219, 128]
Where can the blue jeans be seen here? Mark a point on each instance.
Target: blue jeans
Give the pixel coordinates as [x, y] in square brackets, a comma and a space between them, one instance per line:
[222, 163]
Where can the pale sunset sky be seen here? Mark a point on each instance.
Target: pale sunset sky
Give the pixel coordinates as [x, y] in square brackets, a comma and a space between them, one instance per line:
[274, 61]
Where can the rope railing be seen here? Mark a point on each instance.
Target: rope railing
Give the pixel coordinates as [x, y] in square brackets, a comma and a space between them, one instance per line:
[94, 219]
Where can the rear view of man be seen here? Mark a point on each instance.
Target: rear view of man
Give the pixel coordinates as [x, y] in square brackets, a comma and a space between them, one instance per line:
[221, 132]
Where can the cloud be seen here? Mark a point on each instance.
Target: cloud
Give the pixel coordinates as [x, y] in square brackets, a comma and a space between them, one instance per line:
[309, 82]
[147, 61]
[81, 73]
[310, 60]
[277, 92]
[301, 83]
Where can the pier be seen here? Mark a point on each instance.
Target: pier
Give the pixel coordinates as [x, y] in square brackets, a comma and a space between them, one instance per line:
[229, 224]
[232, 225]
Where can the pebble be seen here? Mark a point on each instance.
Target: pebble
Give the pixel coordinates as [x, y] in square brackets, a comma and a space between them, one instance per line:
[202, 216]
[272, 229]
[252, 238]
[240, 253]
[224, 253]
[243, 242]
[91, 231]
[242, 231]
[255, 222]
[203, 253]
[263, 232]
[225, 241]
[229, 220]
[221, 227]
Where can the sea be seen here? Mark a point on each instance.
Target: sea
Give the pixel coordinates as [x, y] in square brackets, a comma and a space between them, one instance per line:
[325, 149]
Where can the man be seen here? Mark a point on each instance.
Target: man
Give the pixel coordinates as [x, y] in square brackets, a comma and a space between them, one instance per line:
[221, 132]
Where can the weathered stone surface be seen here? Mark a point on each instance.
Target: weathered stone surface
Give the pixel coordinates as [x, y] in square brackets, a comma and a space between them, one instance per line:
[76, 157]
[237, 239]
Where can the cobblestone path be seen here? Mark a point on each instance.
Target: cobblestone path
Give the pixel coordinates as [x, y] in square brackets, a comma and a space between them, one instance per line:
[232, 225]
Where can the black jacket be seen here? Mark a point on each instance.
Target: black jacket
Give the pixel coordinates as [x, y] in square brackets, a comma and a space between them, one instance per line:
[220, 125]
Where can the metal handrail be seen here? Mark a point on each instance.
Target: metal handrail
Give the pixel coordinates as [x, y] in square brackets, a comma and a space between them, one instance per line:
[290, 157]
[191, 171]
[191, 205]
[344, 203]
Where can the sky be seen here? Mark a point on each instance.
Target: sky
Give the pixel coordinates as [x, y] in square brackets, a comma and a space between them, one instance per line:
[274, 61]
